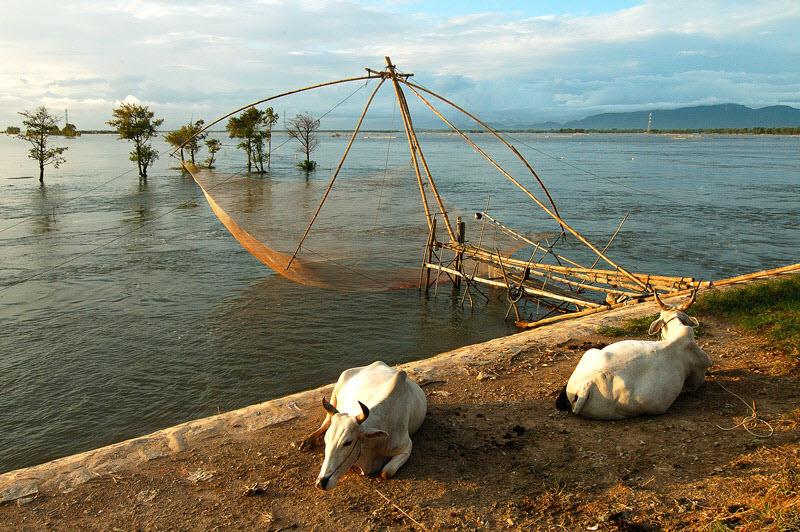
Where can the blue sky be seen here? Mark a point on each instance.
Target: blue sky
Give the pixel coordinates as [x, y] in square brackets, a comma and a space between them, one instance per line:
[513, 62]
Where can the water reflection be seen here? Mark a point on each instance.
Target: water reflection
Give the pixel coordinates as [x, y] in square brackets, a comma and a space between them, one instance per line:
[45, 221]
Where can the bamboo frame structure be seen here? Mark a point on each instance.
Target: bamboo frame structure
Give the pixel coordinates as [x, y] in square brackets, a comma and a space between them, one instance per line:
[567, 283]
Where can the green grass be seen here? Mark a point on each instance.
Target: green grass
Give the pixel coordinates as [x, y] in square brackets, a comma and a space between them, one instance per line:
[631, 327]
[771, 308]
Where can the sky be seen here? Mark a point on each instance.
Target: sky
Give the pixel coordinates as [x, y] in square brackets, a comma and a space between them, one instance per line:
[510, 62]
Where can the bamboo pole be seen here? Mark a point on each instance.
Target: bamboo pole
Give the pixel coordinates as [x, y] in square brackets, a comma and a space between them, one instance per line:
[335, 174]
[533, 292]
[582, 285]
[412, 86]
[555, 216]
[756, 275]
[480, 242]
[413, 135]
[604, 276]
[508, 285]
[707, 284]
[460, 230]
[610, 240]
[587, 312]
[411, 146]
[428, 254]
[537, 246]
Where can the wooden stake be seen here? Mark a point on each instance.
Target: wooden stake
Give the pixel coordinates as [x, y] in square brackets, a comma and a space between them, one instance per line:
[460, 229]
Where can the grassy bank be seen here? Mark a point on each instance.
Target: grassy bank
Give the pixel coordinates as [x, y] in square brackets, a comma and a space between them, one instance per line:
[771, 309]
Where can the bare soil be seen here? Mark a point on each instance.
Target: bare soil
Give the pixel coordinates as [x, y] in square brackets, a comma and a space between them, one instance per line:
[493, 454]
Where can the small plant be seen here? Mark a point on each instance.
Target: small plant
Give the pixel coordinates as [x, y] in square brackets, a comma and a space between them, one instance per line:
[308, 166]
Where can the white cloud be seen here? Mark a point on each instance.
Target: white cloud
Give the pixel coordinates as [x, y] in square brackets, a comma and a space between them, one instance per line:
[218, 56]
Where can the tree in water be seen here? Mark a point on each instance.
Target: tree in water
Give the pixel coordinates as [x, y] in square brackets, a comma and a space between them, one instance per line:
[187, 137]
[304, 129]
[254, 127]
[137, 123]
[213, 146]
[39, 126]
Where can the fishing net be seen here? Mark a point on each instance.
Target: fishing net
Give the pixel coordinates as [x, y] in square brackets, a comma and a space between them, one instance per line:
[268, 217]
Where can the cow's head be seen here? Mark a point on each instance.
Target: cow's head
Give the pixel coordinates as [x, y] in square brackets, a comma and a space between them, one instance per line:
[673, 320]
[344, 443]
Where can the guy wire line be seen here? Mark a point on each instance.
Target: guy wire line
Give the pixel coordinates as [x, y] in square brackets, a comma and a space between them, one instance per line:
[29, 217]
[118, 237]
[329, 111]
[108, 242]
[383, 185]
[575, 167]
[593, 174]
[264, 100]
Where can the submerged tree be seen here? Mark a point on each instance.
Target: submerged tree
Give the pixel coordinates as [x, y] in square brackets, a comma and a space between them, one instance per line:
[304, 129]
[70, 131]
[187, 137]
[137, 123]
[213, 146]
[254, 127]
[39, 126]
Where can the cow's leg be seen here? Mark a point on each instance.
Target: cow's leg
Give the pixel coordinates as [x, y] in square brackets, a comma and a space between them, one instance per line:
[398, 459]
[315, 438]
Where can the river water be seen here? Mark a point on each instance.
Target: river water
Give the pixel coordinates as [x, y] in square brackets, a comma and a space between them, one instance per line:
[126, 308]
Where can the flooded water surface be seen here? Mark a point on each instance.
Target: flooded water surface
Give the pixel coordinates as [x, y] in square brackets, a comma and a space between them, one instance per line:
[127, 307]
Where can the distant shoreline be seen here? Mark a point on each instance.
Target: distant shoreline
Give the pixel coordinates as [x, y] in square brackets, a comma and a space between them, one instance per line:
[787, 131]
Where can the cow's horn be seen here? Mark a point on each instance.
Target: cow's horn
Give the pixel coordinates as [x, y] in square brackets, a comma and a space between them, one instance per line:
[691, 299]
[329, 407]
[364, 413]
[661, 304]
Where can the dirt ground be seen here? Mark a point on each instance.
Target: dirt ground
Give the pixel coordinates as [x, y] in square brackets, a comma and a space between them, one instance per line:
[493, 454]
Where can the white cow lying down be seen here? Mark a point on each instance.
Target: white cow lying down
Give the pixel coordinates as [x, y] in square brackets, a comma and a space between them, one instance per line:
[633, 377]
[372, 413]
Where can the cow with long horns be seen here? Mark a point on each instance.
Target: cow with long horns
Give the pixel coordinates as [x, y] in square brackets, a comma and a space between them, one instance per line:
[633, 377]
[372, 413]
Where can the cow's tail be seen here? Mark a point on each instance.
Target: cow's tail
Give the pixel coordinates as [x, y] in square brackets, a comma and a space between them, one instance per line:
[562, 403]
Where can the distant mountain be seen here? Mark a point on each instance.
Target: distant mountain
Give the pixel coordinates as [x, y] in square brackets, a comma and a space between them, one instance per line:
[728, 115]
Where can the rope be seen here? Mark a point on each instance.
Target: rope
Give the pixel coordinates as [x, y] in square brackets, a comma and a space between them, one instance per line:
[396, 507]
[752, 417]
[346, 267]
[380, 193]
[329, 111]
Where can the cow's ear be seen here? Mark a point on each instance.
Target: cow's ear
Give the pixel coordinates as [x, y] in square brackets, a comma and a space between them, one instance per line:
[372, 433]
[655, 327]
